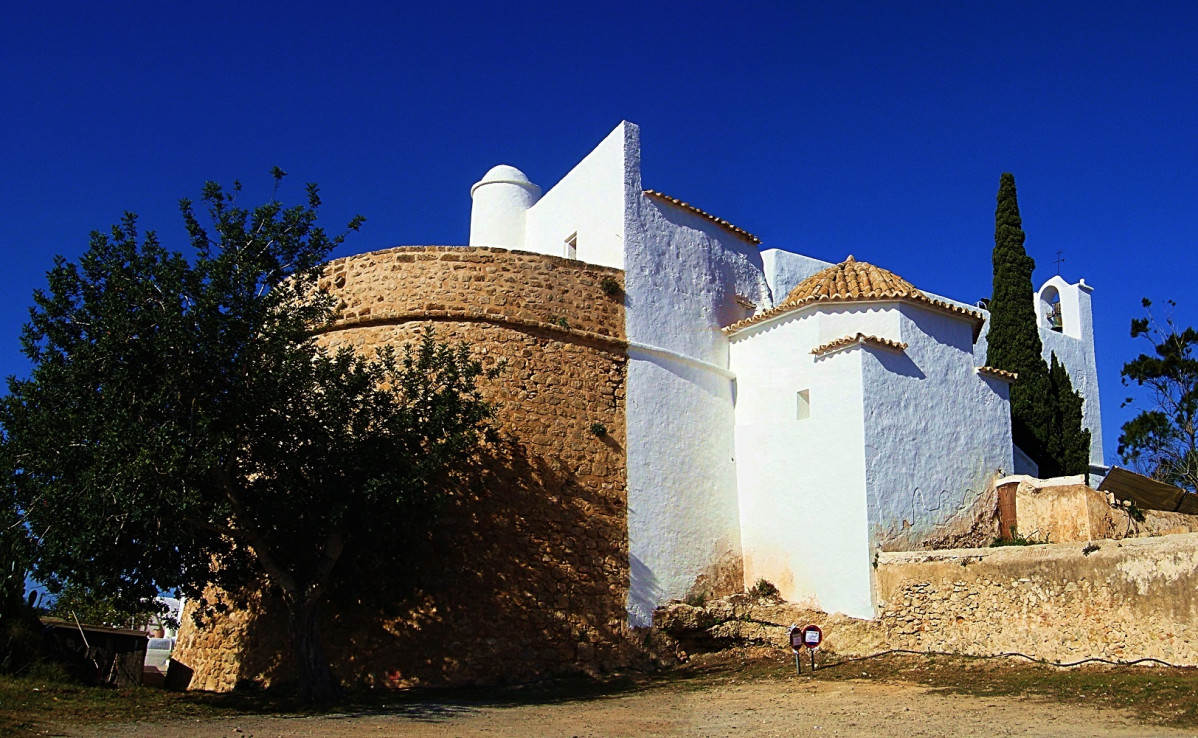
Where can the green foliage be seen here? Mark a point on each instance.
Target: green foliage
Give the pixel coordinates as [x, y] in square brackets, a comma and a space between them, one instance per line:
[1135, 512]
[19, 628]
[1068, 449]
[1016, 540]
[599, 429]
[611, 286]
[181, 427]
[1162, 440]
[764, 588]
[88, 606]
[1046, 412]
[1013, 340]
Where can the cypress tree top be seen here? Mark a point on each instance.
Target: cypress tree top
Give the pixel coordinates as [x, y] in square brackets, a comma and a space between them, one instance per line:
[1013, 341]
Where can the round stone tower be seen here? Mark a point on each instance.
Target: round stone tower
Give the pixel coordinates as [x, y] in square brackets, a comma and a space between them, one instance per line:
[501, 199]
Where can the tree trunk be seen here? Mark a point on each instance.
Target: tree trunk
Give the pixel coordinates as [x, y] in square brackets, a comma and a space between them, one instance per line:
[316, 680]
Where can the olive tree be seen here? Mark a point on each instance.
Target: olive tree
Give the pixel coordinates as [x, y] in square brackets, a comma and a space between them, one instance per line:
[182, 427]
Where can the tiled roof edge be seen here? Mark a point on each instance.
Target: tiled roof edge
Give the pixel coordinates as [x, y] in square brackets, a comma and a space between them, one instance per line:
[997, 373]
[860, 338]
[920, 300]
[704, 214]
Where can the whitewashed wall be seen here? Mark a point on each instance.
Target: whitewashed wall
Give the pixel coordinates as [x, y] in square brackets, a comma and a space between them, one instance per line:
[682, 274]
[785, 269]
[936, 432]
[590, 202]
[804, 520]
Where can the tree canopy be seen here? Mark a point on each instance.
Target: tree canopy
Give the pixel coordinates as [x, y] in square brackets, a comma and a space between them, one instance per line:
[183, 428]
[1162, 439]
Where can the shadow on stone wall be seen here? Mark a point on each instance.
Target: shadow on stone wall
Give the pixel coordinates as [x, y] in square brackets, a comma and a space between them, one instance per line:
[526, 575]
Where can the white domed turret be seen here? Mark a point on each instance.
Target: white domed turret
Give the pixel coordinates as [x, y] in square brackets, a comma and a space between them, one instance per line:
[501, 199]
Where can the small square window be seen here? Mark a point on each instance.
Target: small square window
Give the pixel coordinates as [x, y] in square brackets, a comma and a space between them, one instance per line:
[803, 404]
[572, 246]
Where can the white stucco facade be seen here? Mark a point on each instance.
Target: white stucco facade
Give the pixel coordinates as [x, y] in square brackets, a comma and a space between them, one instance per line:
[754, 450]
[804, 524]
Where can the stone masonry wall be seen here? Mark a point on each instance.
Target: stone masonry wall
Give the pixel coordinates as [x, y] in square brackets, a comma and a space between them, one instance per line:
[529, 573]
[1119, 600]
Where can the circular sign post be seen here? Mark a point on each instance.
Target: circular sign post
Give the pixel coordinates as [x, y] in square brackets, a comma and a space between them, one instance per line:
[796, 642]
[812, 637]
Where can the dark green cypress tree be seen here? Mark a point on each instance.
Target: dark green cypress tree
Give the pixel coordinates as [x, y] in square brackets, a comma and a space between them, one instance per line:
[1069, 442]
[1013, 341]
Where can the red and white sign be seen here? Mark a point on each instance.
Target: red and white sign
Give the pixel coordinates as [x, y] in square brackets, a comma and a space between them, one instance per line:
[796, 638]
[812, 636]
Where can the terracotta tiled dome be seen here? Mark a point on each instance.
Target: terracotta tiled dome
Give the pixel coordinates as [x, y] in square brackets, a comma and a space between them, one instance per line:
[852, 280]
[856, 280]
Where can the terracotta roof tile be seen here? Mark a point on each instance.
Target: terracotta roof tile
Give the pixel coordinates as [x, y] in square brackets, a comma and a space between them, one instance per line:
[1003, 374]
[859, 339]
[853, 280]
[704, 214]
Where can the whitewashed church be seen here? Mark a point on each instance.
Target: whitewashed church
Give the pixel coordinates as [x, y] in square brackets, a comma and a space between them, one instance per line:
[784, 414]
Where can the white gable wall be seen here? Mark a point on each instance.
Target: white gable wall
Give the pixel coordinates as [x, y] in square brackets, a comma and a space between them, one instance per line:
[804, 521]
[589, 203]
[937, 433]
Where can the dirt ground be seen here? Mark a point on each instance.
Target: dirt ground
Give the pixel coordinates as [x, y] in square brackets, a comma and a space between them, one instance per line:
[754, 707]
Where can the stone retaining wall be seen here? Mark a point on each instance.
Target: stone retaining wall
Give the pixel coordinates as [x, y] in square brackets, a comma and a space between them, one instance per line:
[529, 573]
[1119, 600]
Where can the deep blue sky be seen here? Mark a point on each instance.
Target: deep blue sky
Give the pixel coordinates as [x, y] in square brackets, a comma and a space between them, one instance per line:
[866, 128]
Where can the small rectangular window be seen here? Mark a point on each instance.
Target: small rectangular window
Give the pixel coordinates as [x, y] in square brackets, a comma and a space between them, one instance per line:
[572, 246]
[803, 405]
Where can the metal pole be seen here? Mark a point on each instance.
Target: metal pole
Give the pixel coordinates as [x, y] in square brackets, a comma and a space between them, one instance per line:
[798, 664]
[812, 650]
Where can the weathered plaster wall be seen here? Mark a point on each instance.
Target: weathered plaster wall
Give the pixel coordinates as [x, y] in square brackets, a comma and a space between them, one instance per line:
[588, 202]
[682, 276]
[801, 482]
[529, 569]
[1129, 599]
[1064, 510]
[937, 433]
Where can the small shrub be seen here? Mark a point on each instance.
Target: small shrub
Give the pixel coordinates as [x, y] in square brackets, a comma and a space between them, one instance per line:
[563, 323]
[697, 599]
[1016, 540]
[599, 429]
[1090, 548]
[1135, 512]
[611, 287]
[764, 588]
